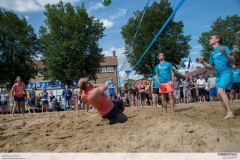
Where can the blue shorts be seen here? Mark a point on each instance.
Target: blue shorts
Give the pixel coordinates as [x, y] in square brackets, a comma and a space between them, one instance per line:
[213, 91]
[111, 95]
[225, 81]
[17, 99]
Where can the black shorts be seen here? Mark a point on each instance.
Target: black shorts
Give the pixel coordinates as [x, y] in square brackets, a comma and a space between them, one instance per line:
[156, 90]
[19, 99]
[143, 95]
[181, 94]
[3, 103]
[45, 102]
[236, 87]
[116, 114]
[33, 102]
[201, 91]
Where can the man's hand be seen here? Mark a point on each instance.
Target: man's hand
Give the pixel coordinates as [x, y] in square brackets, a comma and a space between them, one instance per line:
[199, 60]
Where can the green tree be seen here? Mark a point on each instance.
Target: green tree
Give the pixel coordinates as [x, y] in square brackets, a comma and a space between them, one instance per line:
[171, 41]
[71, 43]
[19, 46]
[177, 73]
[227, 28]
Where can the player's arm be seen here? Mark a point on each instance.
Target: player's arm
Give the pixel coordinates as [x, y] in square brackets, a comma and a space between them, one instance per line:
[158, 80]
[229, 56]
[97, 92]
[199, 60]
[83, 98]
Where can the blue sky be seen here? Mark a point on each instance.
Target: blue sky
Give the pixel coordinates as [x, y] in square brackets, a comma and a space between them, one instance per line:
[197, 17]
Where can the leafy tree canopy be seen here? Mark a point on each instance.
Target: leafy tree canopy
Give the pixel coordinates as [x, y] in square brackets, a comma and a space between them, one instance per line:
[171, 41]
[19, 46]
[228, 29]
[71, 43]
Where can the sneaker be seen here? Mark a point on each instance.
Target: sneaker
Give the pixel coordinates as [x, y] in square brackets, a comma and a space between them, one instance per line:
[34, 112]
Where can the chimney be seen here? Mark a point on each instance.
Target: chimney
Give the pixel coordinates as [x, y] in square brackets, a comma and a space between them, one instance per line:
[186, 72]
[198, 67]
[114, 54]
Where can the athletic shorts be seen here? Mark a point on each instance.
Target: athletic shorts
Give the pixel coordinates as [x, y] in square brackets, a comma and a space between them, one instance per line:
[176, 94]
[17, 99]
[115, 114]
[156, 90]
[143, 95]
[166, 87]
[225, 81]
[3, 103]
[213, 91]
[236, 87]
[201, 91]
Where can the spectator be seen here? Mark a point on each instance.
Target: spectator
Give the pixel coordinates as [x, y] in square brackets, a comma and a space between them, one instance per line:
[66, 94]
[111, 87]
[32, 98]
[212, 87]
[44, 95]
[185, 85]
[201, 89]
[4, 99]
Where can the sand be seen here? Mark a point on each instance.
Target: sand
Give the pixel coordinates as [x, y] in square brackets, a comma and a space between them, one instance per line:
[193, 128]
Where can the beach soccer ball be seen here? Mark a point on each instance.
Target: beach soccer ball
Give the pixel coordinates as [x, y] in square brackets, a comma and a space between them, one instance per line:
[106, 2]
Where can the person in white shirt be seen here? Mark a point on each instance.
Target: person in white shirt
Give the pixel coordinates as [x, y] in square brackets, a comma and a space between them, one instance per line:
[4, 99]
[201, 89]
[212, 87]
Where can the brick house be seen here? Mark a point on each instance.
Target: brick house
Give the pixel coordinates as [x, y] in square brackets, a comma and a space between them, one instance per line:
[199, 71]
[108, 68]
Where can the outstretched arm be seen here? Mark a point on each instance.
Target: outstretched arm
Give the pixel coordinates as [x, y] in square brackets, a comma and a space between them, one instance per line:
[229, 57]
[199, 60]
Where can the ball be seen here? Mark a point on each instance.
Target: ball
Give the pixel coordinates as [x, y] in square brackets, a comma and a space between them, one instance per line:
[106, 2]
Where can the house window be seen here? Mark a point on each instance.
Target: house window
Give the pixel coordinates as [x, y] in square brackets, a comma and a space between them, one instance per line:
[110, 69]
[103, 69]
[40, 73]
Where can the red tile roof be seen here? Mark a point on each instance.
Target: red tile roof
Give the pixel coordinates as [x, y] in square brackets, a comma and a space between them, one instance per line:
[109, 61]
[196, 72]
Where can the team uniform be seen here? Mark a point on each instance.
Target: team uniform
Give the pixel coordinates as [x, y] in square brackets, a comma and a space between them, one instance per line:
[223, 68]
[165, 77]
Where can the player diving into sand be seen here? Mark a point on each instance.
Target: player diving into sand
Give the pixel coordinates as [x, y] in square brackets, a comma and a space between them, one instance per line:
[94, 94]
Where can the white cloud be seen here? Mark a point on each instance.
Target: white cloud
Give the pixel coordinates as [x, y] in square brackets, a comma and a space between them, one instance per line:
[26, 17]
[107, 23]
[29, 5]
[95, 6]
[121, 12]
